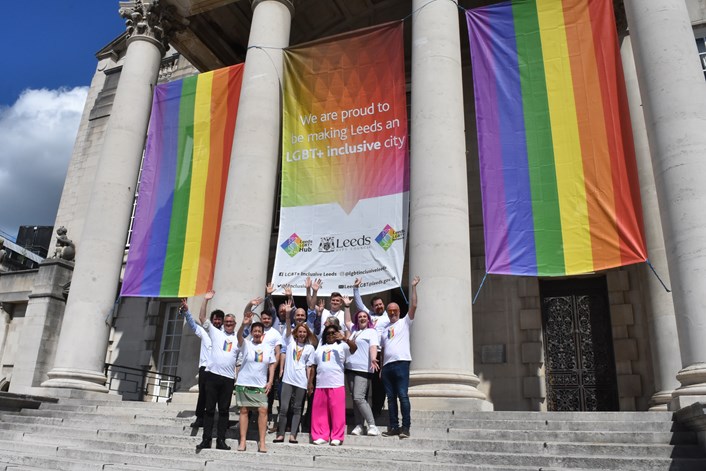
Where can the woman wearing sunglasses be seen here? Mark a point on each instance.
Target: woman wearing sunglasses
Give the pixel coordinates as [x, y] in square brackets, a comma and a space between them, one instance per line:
[328, 417]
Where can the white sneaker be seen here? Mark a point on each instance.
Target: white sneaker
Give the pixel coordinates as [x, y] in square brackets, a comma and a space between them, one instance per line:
[335, 442]
[358, 430]
[319, 441]
[373, 431]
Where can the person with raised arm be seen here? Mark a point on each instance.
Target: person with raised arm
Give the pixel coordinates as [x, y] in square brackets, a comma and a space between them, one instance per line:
[255, 377]
[220, 378]
[360, 367]
[328, 417]
[335, 303]
[299, 345]
[396, 357]
[205, 352]
[379, 318]
[273, 339]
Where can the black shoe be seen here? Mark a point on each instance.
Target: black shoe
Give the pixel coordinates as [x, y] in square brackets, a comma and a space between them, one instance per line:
[391, 432]
[205, 443]
[197, 423]
[221, 445]
[404, 432]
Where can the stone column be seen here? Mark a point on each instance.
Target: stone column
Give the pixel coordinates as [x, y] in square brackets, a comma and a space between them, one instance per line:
[439, 252]
[80, 354]
[246, 227]
[674, 103]
[660, 307]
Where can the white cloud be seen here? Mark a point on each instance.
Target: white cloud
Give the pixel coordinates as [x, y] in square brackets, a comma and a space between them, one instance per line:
[37, 135]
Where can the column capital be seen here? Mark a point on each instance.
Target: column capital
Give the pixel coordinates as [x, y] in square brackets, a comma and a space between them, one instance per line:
[150, 20]
[287, 3]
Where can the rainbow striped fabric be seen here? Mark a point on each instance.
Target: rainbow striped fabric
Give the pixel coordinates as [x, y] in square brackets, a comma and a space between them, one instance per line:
[558, 174]
[184, 174]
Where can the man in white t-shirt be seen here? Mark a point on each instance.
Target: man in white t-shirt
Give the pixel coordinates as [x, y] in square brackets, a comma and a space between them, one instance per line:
[396, 357]
[216, 321]
[335, 304]
[220, 376]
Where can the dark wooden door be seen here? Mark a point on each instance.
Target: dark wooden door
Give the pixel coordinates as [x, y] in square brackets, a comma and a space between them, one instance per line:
[578, 345]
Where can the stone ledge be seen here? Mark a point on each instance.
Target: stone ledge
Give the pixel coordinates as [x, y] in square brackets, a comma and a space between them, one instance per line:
[15, 402]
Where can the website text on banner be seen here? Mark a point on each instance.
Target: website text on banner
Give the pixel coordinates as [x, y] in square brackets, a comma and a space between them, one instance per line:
[558, 174]
[345, 162]
[184, 174]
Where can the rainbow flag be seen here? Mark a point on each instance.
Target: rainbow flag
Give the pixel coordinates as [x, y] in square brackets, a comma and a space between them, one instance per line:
[227, 346]
[184, 174]
[259, 357]
[557, 163]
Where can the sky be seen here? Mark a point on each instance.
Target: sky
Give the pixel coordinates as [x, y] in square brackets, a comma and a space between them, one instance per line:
[47, 61]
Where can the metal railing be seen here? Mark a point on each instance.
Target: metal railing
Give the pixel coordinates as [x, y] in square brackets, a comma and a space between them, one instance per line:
[135, 384]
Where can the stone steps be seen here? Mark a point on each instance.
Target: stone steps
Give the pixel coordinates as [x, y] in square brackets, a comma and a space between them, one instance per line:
[112, 435]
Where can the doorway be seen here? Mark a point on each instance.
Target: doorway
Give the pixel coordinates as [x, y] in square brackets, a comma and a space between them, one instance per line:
[578, 345]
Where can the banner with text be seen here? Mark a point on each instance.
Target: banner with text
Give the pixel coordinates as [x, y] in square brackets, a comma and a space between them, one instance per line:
[345, 163]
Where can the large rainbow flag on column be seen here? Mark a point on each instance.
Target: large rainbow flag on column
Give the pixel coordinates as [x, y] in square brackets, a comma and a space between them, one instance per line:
[183, 181]
[558, 174]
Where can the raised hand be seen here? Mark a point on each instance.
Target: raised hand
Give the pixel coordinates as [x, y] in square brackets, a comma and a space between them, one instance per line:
[357, 282]
[209, 295]
[270, 288]
[288, 291]
[307, 282]
[317, 284]
[256, 302]
[288, 304]
[346, 301]
[184, 306]
[339, 336]
[319, 307]
[416, 280]
[247, 318]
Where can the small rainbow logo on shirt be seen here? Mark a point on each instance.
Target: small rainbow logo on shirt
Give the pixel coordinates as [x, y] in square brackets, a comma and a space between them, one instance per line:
[391, 333]
[227, 346]
[293, 245]
[259, 357]
[387, 237]
[297, 354]
[326, 356]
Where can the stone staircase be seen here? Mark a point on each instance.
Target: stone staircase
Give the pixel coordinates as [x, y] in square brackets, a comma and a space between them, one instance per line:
[95, 434]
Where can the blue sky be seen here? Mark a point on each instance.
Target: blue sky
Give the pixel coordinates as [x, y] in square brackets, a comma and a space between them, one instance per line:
[47, 55]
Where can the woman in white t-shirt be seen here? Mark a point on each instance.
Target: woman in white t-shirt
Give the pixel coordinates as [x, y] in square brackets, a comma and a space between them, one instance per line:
[294, 378]
[360, 367]
[255, 379]
[328, 416]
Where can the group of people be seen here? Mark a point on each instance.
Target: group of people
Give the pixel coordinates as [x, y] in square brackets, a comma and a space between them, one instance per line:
[315, 353]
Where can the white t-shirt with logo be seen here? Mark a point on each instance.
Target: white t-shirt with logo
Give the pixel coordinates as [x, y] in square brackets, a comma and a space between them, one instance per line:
[295, 361]
[395, 341]
[272, 338]
[256, 360]
[330, 361]
[360, 360]
[224, 350]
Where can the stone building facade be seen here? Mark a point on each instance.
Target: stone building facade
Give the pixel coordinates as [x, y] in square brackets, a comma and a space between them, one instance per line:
[630, 344]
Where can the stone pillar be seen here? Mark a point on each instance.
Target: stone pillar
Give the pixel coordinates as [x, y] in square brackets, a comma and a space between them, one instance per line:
[246, 227]
[660, 307]
[80, 355]
[674, 103]
[439, 252]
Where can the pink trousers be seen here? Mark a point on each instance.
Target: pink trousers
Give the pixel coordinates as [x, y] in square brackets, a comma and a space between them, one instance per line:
[328, 414]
